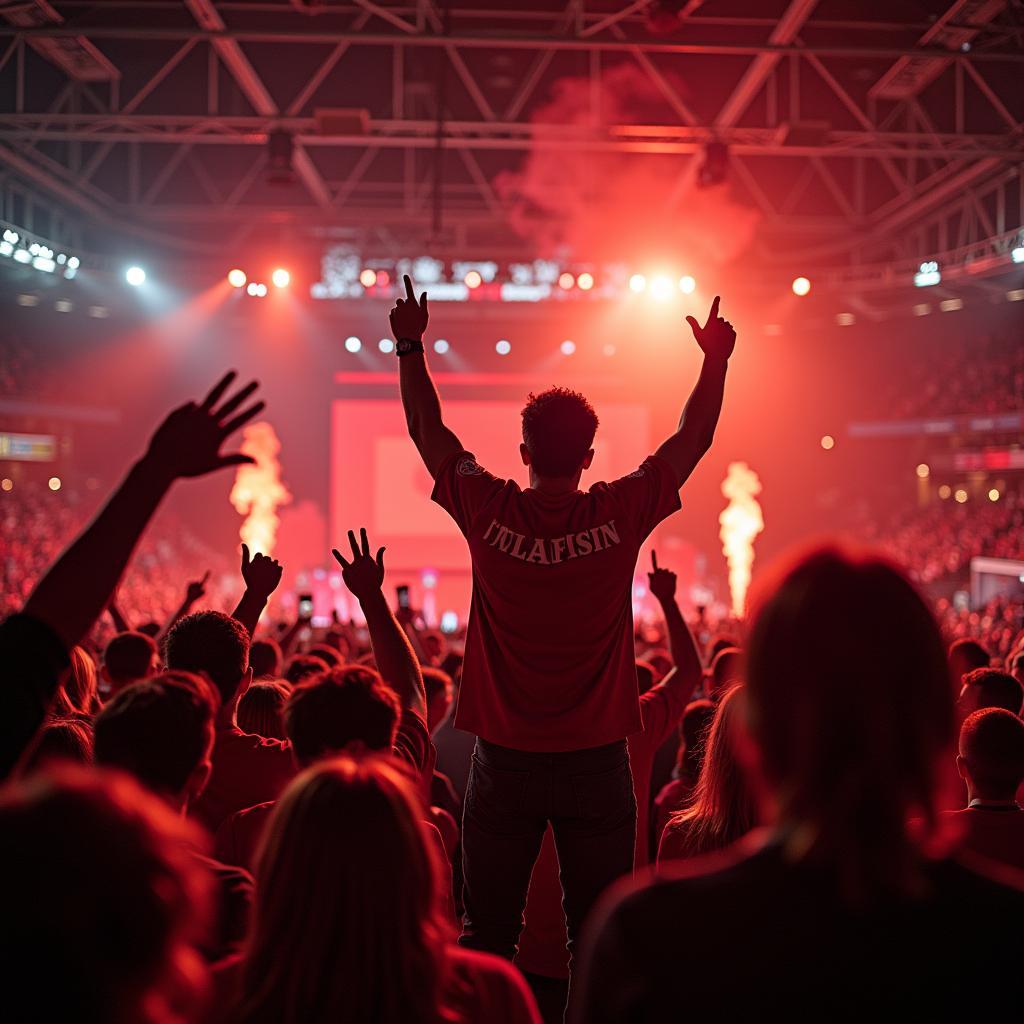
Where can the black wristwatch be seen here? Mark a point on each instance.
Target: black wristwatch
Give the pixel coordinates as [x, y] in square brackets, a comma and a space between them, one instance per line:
[407, 345]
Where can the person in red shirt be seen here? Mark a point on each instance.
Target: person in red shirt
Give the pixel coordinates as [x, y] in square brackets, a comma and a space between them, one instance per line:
[551, 706]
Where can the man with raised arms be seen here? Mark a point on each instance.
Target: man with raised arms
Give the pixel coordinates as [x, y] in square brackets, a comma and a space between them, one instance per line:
[549, 683]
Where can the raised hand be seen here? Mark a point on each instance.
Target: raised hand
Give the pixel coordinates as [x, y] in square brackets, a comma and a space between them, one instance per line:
[364, 575]
[197, 589]
[261, 573]
[662, 582]
[717, 337]
[188, 442]
[409, 317]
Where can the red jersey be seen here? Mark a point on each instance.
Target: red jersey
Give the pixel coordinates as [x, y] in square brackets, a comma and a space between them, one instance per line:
[549, 649]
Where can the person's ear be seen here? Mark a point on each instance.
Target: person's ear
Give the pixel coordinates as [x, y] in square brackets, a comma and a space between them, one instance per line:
[198, 780]
[961, 768]
[588, 459]
[524, 454]
[245, 683]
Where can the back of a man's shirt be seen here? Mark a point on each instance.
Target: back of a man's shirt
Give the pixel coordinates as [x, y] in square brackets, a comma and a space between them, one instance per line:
[549, 651]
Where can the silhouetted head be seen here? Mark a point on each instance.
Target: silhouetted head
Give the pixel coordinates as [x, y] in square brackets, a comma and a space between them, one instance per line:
[660, 661]
[850, 748]
[440, 691]
[991, 759]
[261, 708]
[965, 656]
[989, 688]
[726, 670]
[328, 712]
[129, 657]
[646, 677]
[215, 645]
[103, 896]
[160, 731]
[558, 431]
[265, 659]
[60, 740]
[78, 692]
[302, 666]
[327, 654]
[723, 807]
[693, 730]
[346, 923]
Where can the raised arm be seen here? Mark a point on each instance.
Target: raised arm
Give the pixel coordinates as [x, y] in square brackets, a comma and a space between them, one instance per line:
[364, 576]
[193, 592]
[686, 447]
[261, 574]
[78, 586]
[689, 669]
[422, 404]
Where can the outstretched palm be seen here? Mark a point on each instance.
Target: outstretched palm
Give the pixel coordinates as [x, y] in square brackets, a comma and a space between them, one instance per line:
[364, 575]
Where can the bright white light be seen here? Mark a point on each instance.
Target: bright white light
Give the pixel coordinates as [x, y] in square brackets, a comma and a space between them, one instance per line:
[585, 281]
[801, 286]
[568, 347]
[661, 288]
[236, 278]
[22, 256]
[441, 346]
[368, 277]
[74, 262]
[828, 442]
[993, 494]
[503, 347]
[386, 345]
[473, 279]
[10, 236]
[353, 344]
[923, 471]
[54, 483]
[135, 276]
[281, 278]
[44, 263]
[63, 306]
[1017, 254]
[566, 281]
[252, 289]
[927, 275]
[6, 248]
[637, 283]
[687, 284]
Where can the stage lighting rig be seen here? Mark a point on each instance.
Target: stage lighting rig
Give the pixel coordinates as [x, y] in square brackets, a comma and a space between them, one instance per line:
[715, 168]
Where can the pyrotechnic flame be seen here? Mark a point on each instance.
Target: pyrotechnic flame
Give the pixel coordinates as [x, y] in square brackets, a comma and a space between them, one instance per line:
[258, 490]
[741, 521]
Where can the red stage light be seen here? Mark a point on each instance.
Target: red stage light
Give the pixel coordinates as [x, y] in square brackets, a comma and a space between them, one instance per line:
[383, 279]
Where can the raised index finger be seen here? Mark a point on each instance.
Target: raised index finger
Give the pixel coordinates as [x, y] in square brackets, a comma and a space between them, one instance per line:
[410, 294]
[714, 308]
[654, 560]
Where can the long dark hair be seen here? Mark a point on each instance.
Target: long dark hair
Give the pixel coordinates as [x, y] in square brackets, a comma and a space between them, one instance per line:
[723, 808]
[851, 709]
[347, 925]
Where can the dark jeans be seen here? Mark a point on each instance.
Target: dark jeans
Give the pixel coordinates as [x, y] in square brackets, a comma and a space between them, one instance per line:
[587, 795]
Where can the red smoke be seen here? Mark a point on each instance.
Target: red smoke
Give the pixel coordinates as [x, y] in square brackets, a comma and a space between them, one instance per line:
[621, 206]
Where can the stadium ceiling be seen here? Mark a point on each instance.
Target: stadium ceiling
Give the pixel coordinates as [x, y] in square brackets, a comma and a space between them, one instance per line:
[859, 131]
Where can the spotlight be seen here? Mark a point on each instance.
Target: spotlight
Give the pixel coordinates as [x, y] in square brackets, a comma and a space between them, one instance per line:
[928, 274]
[54, 483]
[1017, 254]
[281, 278]
[585, 281]
[945, 491]
[253, 289]
[473, 279]
[74, 262]
[353, 344]
[135, 276]
[801, 286]
[923, 471]
[386, 345]
[7, 484]
[661, 288]
[63, 306]
[441, 346]
[503, 347]
[566, 281]
[368, 278]
[236, 278]
[828, 442]
[637, 283]
[993, 494]
[960, 496]
[687, 284]
[568, 347]
[383, 278]
[22, 256]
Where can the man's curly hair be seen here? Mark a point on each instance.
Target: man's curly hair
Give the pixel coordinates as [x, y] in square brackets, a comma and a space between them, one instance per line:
[558, 430]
